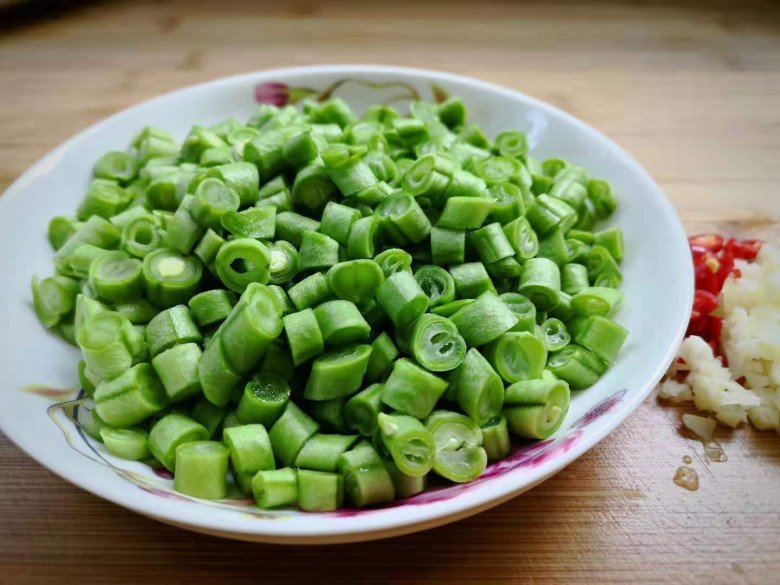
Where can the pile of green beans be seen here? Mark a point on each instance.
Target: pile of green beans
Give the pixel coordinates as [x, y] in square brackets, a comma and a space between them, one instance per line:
[317, 307]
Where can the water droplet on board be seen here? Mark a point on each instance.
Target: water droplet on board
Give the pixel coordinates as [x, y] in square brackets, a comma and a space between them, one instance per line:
[686, 477]
[714, 452]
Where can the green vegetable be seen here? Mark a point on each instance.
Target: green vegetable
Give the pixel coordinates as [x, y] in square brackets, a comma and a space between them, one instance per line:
[54, 298]
[495, 438]
[171, 431]
[517, 355]
[338, 372]
[437, 284]
[412, 390]
[458, 455]
[401, 297]
[171, 279]
[484, 320]
[264, 399]
[275, 488]
[303, 335]
[601, 336]
[290, 432]
[211, 306]
[320, 491]
[250, 452]
[436, 344]
[477, 388]
[535, 409]
[541, 283]
[366, 479]
[340, 322]
[243, 261]
[128, 444]
[201, 470]
[409, 443]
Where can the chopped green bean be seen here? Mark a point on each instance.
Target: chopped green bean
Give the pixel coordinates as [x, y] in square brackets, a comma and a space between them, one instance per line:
[402, 298]
[117, 277]
[465, 212]
[574, 278]
[404, 219]
[541, 283]
[409, 443]
[310, 291]
[495, 438]
[320, 491]
[436, 344]
[171, 431]
[362, 237]
[54, 298]
[340, 322]
[458, 454]
[394, 260]
[131, 397]
[484, 320]
[535, 409]
[437, 284]
[61, 229]
[383, 353]
[170, 278]
[275, 488]
[201, 469]
[290, 432]
[338, 372]
[171, 327]
[517, 355]
[412, 390]
[447, 246]
[317, 252]
[291, 226]
[177, 368]
[601, 336]
[321, 452]
[130, 444]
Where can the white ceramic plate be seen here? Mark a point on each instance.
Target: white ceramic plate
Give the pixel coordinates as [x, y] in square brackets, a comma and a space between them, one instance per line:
[39, 370]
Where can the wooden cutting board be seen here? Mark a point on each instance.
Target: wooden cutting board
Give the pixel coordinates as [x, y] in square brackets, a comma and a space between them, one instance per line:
[692, 92]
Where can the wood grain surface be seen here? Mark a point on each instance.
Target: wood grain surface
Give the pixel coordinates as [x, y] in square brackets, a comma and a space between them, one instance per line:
[691, 90]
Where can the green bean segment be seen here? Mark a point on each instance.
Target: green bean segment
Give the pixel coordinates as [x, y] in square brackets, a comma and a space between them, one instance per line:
[437, 284]
[457, 439]
[356, 280]
[436, 343]
[411, 389]
[517, 355]
[409, 443]
[338, 372]
[535, 409]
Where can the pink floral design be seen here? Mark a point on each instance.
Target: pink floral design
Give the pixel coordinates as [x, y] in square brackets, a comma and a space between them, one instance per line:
[281, 94]
[600, 409]
[276, 94]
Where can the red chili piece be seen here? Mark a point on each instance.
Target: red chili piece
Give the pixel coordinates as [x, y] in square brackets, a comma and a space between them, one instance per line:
[713, 262]
[711, 242]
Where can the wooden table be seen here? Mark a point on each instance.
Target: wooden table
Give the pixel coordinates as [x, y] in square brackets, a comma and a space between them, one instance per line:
[692, 92]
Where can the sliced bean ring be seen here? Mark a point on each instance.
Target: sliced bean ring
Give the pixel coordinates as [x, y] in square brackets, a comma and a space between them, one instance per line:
[554, 334]
[355, 280]
[242, 261]
[436, 343]
[437, 284]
